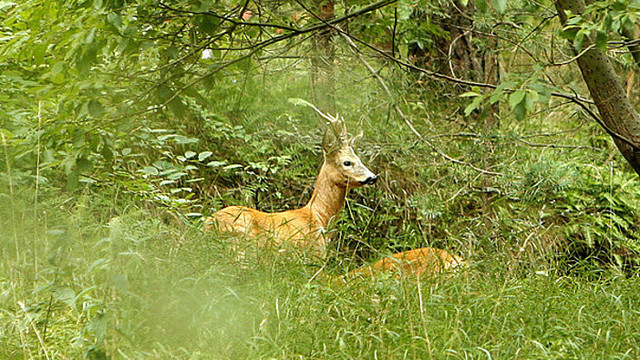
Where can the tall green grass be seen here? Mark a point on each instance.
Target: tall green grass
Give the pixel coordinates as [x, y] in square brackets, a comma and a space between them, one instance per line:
[108, 279]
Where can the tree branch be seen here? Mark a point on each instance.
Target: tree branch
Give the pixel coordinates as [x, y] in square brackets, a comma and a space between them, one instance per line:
[375, 74]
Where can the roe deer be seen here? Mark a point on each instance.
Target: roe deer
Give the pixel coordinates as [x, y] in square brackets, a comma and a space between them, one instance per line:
[304, 228]
[416, 262]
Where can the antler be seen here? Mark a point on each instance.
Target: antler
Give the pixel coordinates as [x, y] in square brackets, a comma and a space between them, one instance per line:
[335, 123]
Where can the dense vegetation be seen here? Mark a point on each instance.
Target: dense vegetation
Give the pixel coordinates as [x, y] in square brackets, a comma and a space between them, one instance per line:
[124, 123]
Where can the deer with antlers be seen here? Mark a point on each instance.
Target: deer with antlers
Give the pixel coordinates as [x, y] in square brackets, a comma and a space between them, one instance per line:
[304, 228]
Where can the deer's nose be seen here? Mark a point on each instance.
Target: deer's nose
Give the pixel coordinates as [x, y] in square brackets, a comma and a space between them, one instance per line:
[371, 180]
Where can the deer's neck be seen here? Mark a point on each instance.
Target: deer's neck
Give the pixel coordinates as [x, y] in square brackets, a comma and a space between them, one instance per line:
[327, 199]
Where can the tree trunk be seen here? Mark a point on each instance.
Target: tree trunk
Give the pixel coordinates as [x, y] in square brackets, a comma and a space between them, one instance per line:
[634, 48]
[621, 120]
[454, 53]
[323, 84]
[630, 35]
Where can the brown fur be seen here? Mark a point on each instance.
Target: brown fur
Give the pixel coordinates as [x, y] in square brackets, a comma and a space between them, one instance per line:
[302, 228]
[416, 262]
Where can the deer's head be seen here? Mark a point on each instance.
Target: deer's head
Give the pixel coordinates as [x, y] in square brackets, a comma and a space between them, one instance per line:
[344, 166]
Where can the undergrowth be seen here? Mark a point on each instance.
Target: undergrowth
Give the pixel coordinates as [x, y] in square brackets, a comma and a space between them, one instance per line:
[108, 260]
[125, 284]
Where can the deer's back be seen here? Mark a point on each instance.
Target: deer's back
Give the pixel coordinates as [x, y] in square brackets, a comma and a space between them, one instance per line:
[416, 262]
[294, 227]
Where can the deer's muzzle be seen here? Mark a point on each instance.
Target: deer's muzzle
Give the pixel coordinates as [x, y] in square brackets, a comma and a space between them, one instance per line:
[370, 180]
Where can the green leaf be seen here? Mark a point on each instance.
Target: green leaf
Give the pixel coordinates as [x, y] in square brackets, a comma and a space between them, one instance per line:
[574, 20]
[601, 40]
[579, 40]
[4, 4]
[183, 140]
[482, 6]
[65, 295]
[115, 21]
[530, 100]
[474, 105]
[189, 154]
[208, 24]
[149, 170]
[543, 91]
[215, 163]
[164, 93]
[569, 32]
[500, 6]
[95, 108]
[520, 111]
[516, 98]
[204, 155]
[83, 164]
[73, 180]
[469, 94]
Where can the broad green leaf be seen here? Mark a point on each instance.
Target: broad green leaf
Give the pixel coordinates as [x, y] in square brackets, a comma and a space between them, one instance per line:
[520, 111]
[574, 20]
[149, 170]
[207, 24]
[579, 40]
[601, 40]
[482, 6]
[543, 91]
[500, 6]
[95, 108]
[189, 154]
[4, 4]
[474, 105]
[530, 100]
[215, 163]
[183, 140]
[204, 155]
[516, 98]
[84, 164]
[65, 295]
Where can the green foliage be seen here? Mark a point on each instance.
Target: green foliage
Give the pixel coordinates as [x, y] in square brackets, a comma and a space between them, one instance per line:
[124, 123]
[599, 20]
[91, 285]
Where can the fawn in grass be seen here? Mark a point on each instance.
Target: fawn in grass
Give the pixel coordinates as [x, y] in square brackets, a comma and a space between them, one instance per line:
[417, 262]
[304, 228]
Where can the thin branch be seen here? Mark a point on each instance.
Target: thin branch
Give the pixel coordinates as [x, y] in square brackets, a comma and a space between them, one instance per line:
[576, 57]
[401, 114]
[575, 98]
[254, 48]
[384, 86]
[235, 22]
[556, 146]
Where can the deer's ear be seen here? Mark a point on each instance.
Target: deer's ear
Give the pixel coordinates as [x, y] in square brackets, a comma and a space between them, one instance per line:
[354, 139]
[330, 141]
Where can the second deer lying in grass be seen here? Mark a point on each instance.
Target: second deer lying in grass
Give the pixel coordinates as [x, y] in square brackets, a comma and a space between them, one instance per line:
[303, 228]
[416, 262]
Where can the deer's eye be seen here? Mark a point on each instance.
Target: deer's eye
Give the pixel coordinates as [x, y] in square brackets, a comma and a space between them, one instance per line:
[347, 163]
